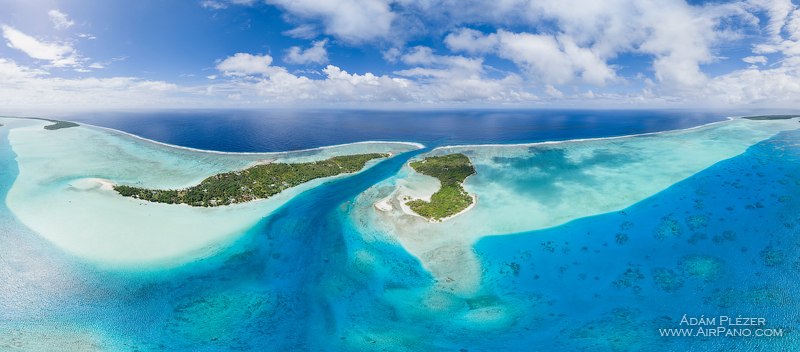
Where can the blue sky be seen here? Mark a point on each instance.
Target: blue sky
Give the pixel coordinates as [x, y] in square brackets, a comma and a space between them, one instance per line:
[90, 55]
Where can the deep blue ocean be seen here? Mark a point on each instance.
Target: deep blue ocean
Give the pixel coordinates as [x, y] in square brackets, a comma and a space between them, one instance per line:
[725, 241]
[281, 130]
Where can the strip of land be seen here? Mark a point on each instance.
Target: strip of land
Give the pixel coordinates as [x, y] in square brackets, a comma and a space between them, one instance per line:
[257, 182]
[57, 124]
[451, 198]
[771, 117]
[60, 125]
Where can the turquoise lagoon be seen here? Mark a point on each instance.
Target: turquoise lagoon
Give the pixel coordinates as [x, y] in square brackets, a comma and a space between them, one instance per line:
[591, 244]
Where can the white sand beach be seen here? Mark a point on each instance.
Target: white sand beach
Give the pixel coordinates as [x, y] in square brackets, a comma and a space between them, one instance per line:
[64, 193]
[526, 187]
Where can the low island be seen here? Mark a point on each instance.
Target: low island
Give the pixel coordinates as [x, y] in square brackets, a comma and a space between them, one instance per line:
[57, 125]
[257, 182]
[771, 117]
[451, 198]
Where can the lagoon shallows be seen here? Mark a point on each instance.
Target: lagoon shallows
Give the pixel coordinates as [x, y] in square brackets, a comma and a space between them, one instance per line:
[580, 245]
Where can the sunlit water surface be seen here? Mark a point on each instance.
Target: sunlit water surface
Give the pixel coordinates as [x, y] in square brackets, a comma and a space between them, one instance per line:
[722, 242]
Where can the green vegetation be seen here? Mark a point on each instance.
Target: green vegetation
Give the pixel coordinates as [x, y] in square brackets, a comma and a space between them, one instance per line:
[771, 117]
[257, 182]
[451, 170]
[59, 125]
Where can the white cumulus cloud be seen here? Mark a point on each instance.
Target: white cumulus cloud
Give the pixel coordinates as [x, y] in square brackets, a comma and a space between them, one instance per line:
[433, 79]
[779, 86]
[11, 72]
[316, 54]
[471, 41]
[350, 20]
[243, 64]
[26, 90]
[546, 58]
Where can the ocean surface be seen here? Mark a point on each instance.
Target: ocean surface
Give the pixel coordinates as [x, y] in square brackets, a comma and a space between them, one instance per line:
[725, 241]
[282, 130]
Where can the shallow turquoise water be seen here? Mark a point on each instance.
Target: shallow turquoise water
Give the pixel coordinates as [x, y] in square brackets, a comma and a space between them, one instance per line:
[724, 241]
